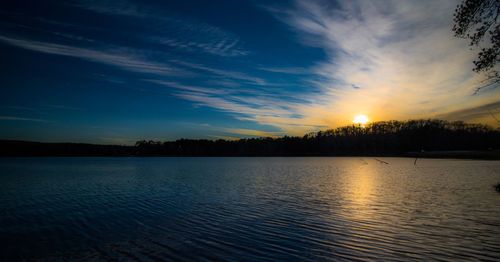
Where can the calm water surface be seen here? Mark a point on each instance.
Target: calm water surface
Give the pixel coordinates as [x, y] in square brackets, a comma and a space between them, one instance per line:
[248, 209]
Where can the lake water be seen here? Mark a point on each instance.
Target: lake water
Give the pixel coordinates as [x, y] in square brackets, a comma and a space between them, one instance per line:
[248, 209]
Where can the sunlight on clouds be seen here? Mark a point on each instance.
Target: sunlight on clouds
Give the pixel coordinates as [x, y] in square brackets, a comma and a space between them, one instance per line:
[403, 61]
[385, 59]
[251, 132]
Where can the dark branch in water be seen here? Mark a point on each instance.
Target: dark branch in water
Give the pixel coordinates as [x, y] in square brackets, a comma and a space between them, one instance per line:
[497, 187]
[380, 161]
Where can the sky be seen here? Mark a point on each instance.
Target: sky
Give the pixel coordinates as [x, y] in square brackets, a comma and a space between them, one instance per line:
[115, 72]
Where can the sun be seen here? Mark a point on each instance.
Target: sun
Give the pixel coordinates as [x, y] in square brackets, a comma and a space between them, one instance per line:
[360, 119]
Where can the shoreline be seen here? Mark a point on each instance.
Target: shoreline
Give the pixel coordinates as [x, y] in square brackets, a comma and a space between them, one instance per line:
[10, 148]
[458, 154]
[434, 155]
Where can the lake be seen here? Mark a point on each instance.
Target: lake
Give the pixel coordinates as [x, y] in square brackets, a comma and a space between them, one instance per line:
[251, 209]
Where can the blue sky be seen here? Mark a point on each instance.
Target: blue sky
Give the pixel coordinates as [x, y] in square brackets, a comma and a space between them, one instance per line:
[120, 71]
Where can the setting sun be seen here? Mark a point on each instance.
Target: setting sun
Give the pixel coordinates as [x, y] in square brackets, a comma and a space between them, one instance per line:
[360, 119]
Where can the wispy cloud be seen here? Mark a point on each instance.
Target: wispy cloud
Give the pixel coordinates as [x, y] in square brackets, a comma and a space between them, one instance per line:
[51, 32]
[265, 110]
[124, 59]
[184, 34]
[287, 70]
[384, 59]
[389, 60]
[123, 7]
[220, 47]
[236, 133]
[119, 140]
[23, 108]
[62, 107]
[15, 118]
[189, 88]
[252, 132]
[224, 83]
[224, 73]
[42, 108]
[489, 113]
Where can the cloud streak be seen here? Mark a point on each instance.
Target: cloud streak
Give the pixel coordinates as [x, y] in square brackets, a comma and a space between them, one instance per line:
[489, 113]
[252, 132]
[386, 59]
[396, 54]
[221, 47]
[183, 34]
[15, 118]
[188, 88]
[121, 59]
[224, 73]
[125, 8]
[287, 70]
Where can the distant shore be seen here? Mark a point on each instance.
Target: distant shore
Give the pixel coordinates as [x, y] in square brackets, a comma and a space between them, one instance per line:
[13, 148]
[459, 154]
[421, 138]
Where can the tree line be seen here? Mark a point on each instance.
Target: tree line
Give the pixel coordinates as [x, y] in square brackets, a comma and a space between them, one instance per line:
[378, 138]
[387, 138]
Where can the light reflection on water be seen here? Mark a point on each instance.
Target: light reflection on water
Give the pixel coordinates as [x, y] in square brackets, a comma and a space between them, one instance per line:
[248, 209]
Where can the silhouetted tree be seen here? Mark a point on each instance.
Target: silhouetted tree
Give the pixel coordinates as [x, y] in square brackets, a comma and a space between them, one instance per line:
[392, 138]
[379, 138]
[477, 20]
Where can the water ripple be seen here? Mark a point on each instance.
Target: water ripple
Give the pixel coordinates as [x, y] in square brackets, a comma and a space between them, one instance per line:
[249, 209]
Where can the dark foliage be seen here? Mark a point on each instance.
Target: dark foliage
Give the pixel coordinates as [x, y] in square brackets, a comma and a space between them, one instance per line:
[476, 20]
[380, 138]
[24, 148]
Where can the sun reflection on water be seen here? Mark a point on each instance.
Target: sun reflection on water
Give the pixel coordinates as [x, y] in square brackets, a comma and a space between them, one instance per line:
[361, 186]
[360, 193]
